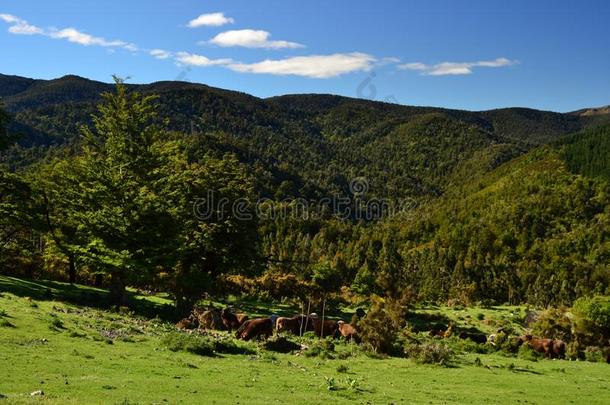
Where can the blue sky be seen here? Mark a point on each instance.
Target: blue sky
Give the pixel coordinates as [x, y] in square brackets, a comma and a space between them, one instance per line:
[552, 55]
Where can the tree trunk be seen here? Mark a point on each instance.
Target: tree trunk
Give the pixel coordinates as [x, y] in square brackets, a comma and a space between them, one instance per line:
[72, 270]
[184, 289]
[117, 289]
[184, 305]
[99, 278]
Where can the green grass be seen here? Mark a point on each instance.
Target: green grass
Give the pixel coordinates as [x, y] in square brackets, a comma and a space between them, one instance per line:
[80, 354]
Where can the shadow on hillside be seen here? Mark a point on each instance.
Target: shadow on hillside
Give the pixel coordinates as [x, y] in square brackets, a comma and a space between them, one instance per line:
[45, 290]
[258, 308]
[422, 321]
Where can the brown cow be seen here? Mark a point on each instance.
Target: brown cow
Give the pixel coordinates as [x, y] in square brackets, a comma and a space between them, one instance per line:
[209, 319]
[326, 328]
[297, 325]
[559, 349]
[348, 331]
[188, 323]
[232, 321]
[254, 328]
[544, 346]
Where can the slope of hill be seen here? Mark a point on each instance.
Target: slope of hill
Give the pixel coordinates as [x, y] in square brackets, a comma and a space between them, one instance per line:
[535, 229]
[301, 145]
[68, 353]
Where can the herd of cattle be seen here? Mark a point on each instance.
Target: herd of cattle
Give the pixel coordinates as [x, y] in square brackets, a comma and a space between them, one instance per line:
[249, 329]
[552, 348]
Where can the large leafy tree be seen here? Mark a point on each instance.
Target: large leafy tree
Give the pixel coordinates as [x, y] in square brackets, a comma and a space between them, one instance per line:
[16, 208]
[125, 205]
[213, 222]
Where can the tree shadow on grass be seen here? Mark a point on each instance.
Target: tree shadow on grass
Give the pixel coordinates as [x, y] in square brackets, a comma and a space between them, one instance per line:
[46, 290]
[258, 308]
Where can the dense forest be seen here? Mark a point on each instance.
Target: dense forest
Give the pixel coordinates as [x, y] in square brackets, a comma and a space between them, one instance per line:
[100, 184]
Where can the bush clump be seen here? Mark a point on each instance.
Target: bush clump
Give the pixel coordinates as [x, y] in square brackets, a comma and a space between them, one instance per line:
[430, 353]
[594, 354]
[281, 345]
[381, 328]
[527, 353]
[324, 349]
[553, 323]
[202, 345]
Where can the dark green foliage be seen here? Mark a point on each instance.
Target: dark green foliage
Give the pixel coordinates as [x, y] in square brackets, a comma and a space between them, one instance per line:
[430, 353]
[595, 309]
[5, 139]
[594, 354]
[527, 353]
[592, 321]
[323, 348]
[125, 205]
[203, 345]
[382, 326]
[281, 344]
[554, 323]
[588, 152]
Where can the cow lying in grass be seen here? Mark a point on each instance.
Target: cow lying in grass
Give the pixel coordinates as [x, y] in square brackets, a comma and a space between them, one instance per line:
[255, 328]
[188, 323]
[297, 325]
[232, 321]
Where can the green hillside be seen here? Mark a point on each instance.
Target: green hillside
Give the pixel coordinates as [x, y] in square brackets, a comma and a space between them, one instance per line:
[505, 205]
[66, 353]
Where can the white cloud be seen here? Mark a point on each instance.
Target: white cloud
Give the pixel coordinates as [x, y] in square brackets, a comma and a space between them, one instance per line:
[314, 66]
[11, 19]
[250, 39]
[190, 59]
[20, 26]
[455, 68]
[160, 54]
[81, 38]
[210, 20]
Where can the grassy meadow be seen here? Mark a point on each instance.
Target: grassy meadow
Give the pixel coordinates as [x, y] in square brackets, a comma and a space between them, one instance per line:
[76, 353]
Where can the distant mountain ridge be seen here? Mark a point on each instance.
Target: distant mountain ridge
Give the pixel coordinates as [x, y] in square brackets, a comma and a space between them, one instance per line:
[303, 145]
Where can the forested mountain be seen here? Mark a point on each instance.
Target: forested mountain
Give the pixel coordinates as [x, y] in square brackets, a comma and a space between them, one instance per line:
[300, 145]
[503, 205]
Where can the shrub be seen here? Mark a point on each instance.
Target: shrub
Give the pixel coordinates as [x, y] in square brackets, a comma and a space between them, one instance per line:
[381, 327]
[507, 344]
[56, 324]
[281, 345]
[271, 284]
[553, 324]
[202, 345]
[596, 310]
[573, 351]
[592, 323]
[324, 349]
[430, 353]
[468, 346]
[527, 353]
[594, 354]
[342, 368]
